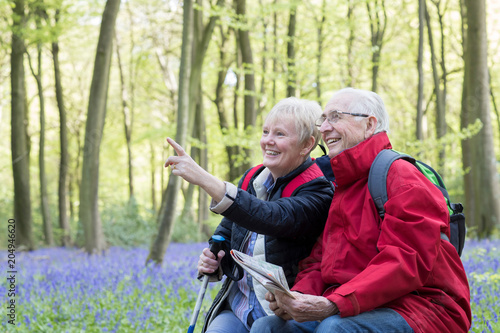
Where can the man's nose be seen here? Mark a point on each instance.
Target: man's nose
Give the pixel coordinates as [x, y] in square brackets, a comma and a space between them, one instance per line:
[325, 126]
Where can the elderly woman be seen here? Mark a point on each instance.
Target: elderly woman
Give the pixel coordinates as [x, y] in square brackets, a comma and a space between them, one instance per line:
[263, 220]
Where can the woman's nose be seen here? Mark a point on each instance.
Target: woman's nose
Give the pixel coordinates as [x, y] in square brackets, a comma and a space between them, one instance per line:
[268, 139]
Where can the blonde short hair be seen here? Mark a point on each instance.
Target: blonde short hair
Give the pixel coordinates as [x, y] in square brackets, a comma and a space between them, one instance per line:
[305, 112]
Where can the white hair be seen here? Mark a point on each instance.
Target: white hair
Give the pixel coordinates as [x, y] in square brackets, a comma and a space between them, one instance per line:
[365, 102]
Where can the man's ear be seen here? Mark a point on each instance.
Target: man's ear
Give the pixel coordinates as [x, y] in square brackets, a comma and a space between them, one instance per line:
[371, 125]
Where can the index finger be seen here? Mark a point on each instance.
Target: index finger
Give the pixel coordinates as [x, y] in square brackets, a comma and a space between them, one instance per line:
[178, 149]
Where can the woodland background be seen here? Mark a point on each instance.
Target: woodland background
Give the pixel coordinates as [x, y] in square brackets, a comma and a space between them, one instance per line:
[89, 90]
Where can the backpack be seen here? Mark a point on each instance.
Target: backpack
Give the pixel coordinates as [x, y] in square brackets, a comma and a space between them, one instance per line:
[377, 185]
[312, 172]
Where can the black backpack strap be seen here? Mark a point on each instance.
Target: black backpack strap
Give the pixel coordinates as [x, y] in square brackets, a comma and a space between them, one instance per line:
[377, 178]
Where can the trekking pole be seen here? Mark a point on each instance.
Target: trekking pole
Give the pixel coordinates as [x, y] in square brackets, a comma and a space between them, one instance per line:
[214, 248]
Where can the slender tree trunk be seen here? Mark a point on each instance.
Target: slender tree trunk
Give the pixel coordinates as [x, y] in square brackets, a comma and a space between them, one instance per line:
[231, 149]
[167, 211]
[44, 197]
[275, 49]
[128, 118]
[74, 180]
[202, 154]
[261, 102]
[153, 178]
[203, 211]
[350, 44]
[63, 141]
[377, 29]
[89, 197]
[319, 30]
[440, 94]
[19, 135]
[495, 107]
[201, 40]
[290, 52]
[476, 104]
[420, 61]
[466, 120]
[249, 99]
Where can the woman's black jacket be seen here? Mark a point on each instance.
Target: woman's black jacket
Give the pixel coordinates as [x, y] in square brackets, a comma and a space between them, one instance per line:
[291, 225]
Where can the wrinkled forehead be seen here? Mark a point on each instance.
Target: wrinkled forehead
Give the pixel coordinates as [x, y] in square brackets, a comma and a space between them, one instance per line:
[339, 102]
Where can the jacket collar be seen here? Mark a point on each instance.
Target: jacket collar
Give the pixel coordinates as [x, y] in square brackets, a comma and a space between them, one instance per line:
[354, 163]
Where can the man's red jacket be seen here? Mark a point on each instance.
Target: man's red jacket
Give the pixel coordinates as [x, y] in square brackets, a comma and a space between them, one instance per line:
[362, 262]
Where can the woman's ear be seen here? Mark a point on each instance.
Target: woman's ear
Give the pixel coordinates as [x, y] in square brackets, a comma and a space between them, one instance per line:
[308, 146]
[371, 125]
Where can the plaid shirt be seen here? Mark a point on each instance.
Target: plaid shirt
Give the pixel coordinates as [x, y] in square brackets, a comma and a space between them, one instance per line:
[242, 298]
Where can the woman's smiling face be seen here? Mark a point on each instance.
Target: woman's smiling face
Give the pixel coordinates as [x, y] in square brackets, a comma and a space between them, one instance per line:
[280, 146]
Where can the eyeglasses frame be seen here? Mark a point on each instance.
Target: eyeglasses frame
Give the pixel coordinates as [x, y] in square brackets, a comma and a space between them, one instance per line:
[323, 118]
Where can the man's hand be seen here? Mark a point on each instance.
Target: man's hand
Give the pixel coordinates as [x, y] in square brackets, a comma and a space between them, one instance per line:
[304, 307]
[273, 305]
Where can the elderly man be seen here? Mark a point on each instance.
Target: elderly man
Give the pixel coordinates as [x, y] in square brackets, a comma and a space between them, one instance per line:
[366, 274]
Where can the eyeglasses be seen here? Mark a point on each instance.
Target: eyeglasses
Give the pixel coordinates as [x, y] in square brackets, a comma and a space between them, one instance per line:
[334, 116]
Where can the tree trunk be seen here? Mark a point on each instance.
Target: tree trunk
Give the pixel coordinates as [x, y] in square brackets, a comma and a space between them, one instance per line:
[319, 31]
[167, 211]
[290, 52]
[74, 178]
[440, 106]
[247, 59]
[350, 44]
[89, 197]
[275, 49]
[377, 29]
[420, 61]
[63, 140]
[19, 135]
[231, 148]
[261, 102]
[153, 178]
[201, 40]
[128, 119]
[44, 197]
[495, 107]
[202, 154]
[476, 104]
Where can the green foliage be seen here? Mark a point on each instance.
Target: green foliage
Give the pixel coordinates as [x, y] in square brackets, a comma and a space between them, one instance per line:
[433, 145]
[125, 225]
[187, 230]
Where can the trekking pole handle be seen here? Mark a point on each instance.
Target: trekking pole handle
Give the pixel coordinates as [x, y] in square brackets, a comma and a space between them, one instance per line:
[215, 247]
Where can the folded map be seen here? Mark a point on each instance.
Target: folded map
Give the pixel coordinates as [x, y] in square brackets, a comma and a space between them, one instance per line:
[269, 275]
